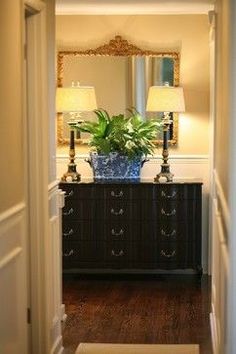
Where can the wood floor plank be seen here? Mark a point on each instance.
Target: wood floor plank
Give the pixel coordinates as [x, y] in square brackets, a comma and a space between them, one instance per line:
[137, 309]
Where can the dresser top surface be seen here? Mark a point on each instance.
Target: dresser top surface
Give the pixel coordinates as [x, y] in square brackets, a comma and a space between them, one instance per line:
[176, 181]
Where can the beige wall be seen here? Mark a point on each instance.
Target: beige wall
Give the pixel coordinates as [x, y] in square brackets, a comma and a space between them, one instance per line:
[89, 71]
[11, 131]
[187, 34]
[222, 93]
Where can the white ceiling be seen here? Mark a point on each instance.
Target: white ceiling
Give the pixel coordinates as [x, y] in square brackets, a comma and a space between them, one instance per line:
[133, 7]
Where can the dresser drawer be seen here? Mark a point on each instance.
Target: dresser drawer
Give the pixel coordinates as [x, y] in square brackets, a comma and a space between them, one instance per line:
[169, 210]
[176, 210]
[121, 231]
[77, 191]
[122, 210]
[81, 250]
[82, 210]
[80, 231]
[169, 231]
[148, 231]
[174, 255]
[177, 191]
[144, 253]
[177, 231]
[78, 210]
[118, 192]
[118, 254]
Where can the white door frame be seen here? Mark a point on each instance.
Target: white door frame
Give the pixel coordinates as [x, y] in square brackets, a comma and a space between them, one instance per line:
[37, 125]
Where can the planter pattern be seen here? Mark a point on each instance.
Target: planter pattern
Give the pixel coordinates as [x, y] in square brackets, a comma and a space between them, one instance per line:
[115, 166]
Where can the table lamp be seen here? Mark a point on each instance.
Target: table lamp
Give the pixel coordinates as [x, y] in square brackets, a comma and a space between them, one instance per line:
[165, 99]
[74, 100]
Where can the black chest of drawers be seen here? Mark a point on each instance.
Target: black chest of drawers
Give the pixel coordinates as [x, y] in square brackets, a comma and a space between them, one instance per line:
[135, 226]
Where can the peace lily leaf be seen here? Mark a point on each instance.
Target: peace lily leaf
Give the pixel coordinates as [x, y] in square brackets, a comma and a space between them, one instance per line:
[130, 136]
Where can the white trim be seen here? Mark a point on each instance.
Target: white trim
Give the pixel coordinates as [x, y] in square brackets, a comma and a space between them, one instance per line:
[220, 277]
[63, 313]
[223, 201]
[225, 255]
[214, 337]
[13, 211]
[57, 347]
[151, 158]
[8, 258]
[61, 199]
[187, 157]
[53, 186]
[37, 99]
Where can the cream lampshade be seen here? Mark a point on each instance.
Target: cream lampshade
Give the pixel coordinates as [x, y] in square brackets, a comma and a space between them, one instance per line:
[74, 100]
[165, 99]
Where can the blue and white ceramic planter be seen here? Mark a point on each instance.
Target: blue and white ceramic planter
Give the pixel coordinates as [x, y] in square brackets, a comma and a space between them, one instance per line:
[115, 166]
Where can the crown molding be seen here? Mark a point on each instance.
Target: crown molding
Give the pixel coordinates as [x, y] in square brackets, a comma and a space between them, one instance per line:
[133, 7]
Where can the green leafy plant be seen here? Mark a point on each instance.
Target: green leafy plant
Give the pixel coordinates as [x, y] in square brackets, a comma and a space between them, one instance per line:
[130, 136]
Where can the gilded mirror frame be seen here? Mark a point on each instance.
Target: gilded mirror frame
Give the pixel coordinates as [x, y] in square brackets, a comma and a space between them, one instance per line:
[116, 47]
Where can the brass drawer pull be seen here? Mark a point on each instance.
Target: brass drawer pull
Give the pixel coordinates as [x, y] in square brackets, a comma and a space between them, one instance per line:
[120, 212]
[66, 234]
[117, 195]
[168, 255]
[119, 254]
[69, 194]
[71, 211]
[120, 233]
[172, 213]
[68, 254]
[168, 196]
[173, 233]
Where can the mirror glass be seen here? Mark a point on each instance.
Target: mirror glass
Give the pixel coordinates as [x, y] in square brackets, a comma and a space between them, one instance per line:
[120, 81]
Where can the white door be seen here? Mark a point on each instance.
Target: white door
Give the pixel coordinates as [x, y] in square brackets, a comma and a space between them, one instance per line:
[14, 299]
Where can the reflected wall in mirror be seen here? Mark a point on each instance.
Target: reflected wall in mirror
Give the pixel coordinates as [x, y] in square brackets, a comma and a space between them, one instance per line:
[121, 74]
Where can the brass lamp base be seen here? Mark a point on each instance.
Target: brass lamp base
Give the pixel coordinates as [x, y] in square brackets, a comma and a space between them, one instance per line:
[71, 175]
[165, 167]
[165, 173]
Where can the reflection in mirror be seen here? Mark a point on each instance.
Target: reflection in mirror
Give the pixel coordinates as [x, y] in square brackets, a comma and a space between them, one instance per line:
[121, 81]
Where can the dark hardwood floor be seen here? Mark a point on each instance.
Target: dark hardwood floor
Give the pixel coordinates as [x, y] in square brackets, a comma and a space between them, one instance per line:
[137, 309]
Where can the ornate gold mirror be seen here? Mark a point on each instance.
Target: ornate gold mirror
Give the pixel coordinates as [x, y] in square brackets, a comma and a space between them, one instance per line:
[121, 74]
